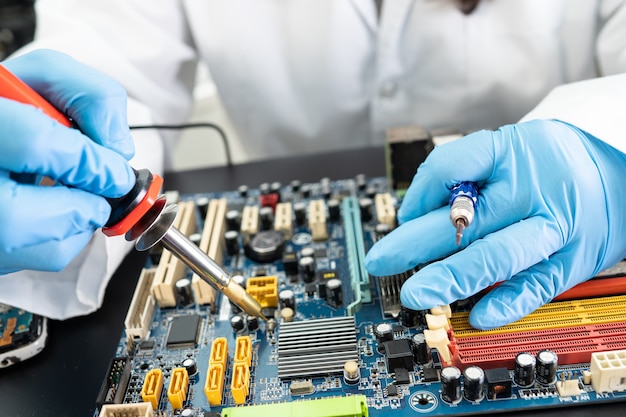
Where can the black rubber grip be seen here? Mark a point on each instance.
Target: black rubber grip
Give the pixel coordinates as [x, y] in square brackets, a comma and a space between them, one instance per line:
[122, 206]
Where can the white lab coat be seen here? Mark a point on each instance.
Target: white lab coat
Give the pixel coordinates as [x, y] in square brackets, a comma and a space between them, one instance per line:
[312, 75]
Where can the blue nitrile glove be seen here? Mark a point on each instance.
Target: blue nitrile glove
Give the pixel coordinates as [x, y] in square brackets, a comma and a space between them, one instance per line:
[45, 227]
[551, 213]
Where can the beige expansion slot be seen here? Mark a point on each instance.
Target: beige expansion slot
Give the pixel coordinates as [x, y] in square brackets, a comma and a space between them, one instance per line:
[211, 243]
[139, 315]
[317, 220]
[283, 219]
[385, 211]
[249, 221]
[170, 268]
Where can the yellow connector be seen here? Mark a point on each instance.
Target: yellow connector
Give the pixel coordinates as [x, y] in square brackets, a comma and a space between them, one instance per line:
[177, 391]
[214, 385]
[241, 382]
[219, 351]
[152, 387]
[264, 290]
[243, 350]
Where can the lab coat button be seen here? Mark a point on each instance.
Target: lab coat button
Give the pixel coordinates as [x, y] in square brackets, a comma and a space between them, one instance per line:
[388, 89]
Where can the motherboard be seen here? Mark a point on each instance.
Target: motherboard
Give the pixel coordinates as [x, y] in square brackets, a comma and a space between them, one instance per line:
[338, 341]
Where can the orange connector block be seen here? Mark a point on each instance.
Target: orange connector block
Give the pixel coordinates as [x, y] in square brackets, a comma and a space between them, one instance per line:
[152, 388]
[177, 391]
[264, 290]
[214, 385]
[219, 351]
[243, 350]
[241, 382]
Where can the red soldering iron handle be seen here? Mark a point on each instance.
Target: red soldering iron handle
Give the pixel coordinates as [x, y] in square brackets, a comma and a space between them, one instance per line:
[15, 89]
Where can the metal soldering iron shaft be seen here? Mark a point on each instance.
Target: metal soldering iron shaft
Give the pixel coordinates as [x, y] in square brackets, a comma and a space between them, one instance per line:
[207, 269]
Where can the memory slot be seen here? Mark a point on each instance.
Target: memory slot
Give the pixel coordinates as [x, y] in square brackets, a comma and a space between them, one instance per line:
[551, 316]
[572, 329]
[572, 345]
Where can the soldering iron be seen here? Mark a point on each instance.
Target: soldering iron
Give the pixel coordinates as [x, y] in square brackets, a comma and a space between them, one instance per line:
[142, 215]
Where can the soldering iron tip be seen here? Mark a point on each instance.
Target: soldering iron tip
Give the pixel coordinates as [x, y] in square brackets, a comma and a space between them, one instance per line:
[460, 226]
[263, 317]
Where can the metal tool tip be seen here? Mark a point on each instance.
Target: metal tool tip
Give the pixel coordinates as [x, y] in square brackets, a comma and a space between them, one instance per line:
[263, 317]
[460, 226]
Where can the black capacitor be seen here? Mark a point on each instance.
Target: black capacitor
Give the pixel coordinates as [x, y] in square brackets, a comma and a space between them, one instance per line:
[334, 296]
[299, 210]
[307, 268]
[287, 298]
[266, 246]
[306, 190]
[243, 190]
[188, 412]
[451, 384]
[307, 252]
[190, 365]
[334, 212]
[275, 187]
[408, 317]
[295, 185]
[361, 181]
[237, 322]
[473, 383]
[381, 230]
[231, 238]
[290, 263]
[195, 238]
[545, 371]
[267, 218]
[383, 333]
[421, 351]
[233, 219]
[524, 371]
[240, 280]
[203, 205]
[370, 192]
[365, 204]
[264, 188]
[184, 292]
[325, 190]
[252, 323]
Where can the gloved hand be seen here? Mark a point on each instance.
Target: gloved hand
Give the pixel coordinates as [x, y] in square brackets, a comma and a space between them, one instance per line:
[551, 213]
[45, 227]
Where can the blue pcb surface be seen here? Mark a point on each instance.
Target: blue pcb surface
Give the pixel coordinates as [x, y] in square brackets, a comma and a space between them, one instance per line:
[419, 395]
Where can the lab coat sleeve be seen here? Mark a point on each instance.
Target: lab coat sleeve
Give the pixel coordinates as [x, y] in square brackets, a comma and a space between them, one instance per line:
[79, 288]
[158, 76]
[596, 106]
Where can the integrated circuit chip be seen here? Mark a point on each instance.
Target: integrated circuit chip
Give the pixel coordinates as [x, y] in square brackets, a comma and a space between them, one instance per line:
[184, 331]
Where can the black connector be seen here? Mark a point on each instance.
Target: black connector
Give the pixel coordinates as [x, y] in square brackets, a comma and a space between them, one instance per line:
[115, 382]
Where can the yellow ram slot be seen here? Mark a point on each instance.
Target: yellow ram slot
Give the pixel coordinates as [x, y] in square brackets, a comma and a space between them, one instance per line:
[241, 382]
[553, 315]
[243, 350]
[170, 268]
[219, 351]
[214, 385]
[177, 391]
[264, 290]
[211, 243]
[152, 387]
